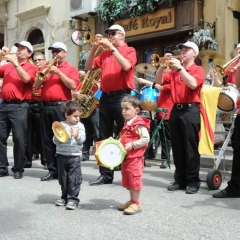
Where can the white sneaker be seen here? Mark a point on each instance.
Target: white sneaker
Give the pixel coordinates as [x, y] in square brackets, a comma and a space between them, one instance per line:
[71, 206]
[60, 202]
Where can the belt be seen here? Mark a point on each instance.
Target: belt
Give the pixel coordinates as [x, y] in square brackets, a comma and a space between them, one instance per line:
[52, 103]
[110, 94]
[15, 101]
[185, 105]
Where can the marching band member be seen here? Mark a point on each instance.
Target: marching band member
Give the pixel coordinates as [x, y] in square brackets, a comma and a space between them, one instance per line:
[57, 86]
[184, 123]
[134, 137]
[17, 76]
[233, 188]
[117, 79]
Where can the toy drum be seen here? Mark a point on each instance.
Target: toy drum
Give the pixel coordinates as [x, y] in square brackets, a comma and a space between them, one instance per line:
[109, 153]
[149, 98]
[135, 93]
[228, 98]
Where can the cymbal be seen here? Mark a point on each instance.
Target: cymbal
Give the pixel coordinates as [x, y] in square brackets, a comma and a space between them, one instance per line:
[59, 131]
[145, 68]
[207, 54]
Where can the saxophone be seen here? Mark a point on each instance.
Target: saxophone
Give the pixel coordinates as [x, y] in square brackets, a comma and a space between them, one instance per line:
[88, 89]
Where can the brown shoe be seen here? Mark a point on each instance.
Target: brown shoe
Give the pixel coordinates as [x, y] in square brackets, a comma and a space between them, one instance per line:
[133, 209]
[122, 207]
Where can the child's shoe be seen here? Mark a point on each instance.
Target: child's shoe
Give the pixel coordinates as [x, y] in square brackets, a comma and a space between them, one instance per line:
[133, 209]
[122, 207]
[71, 206]
[60, 202]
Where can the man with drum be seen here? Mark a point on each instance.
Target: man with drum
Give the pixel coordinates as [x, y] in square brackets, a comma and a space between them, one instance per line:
[233, 188]
[60, 78]
[117, 64]
[186, 83]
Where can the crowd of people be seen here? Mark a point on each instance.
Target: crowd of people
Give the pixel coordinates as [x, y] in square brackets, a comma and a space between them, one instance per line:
[37, 94]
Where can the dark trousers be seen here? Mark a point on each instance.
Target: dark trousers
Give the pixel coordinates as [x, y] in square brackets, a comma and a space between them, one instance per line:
[70, 177]
[91, 125]
[109, 111]
[184, 127]
[48, 116]
[165, 146]
[234, 183]
[34, 134]
[13, 117]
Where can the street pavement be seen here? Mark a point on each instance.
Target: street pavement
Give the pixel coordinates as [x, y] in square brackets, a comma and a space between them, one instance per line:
[27, 209]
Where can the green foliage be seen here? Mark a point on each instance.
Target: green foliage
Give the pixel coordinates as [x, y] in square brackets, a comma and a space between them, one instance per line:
[112, 10]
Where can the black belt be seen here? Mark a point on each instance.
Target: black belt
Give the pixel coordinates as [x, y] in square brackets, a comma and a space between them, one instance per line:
[15, 101]
[52, 103]
[110, 94]
[185, 105]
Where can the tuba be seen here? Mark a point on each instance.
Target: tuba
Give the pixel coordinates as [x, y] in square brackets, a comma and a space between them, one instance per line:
[41, 75]
[89, 87]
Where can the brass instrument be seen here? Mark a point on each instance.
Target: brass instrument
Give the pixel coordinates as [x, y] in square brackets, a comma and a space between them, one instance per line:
[227, 66]
[41, 75]
[59, 131]
[162, 61]
[88, 89]
[2, 54]
[87, 38]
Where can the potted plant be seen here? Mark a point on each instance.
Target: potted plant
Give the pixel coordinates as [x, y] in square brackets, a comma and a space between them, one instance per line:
[111, 10]
[204, 39]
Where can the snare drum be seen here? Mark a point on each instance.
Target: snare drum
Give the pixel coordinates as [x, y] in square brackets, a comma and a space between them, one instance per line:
[149, 98]
[227, 100]
[109, 153]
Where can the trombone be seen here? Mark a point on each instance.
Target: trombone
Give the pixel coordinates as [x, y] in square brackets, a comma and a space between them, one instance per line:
[163, 61]
[227, 66]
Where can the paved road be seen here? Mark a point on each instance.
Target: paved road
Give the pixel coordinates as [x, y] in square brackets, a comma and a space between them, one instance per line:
[27, 209]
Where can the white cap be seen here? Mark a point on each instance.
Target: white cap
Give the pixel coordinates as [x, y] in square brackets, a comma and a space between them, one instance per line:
[238, 46]
[115, 27]
[59, 45]
[189, 45]
[25, 44]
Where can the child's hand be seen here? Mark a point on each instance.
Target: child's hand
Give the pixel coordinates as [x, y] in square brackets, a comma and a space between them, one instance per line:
[74, 132]
[128, 146]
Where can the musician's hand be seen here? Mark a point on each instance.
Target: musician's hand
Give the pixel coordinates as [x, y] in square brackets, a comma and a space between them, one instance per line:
[54, 69]
[141, 80]
[128, 146]
[213, 73]
[5, 49]
[82, 74]
[74, 132]
[175, 64]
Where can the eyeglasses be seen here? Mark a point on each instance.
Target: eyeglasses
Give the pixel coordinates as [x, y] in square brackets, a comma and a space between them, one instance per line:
[36, 60]
[56, 51]
[113, 33]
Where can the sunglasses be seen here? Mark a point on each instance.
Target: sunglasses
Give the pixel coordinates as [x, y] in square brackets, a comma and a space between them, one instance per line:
[112, 33]
[36, 60]
[56, 51]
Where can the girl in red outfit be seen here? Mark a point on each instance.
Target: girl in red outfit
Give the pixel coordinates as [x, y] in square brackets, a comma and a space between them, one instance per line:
[134, 137]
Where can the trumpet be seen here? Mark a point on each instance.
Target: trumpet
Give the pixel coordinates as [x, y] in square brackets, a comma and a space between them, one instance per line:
[87, 38]
[163, 61]
[2, 54]
[41, 75]
[227, 66]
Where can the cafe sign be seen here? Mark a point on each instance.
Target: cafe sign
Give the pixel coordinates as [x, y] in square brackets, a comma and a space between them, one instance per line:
[148, 23]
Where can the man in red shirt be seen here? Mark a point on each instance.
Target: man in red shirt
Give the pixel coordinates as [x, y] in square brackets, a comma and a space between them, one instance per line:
[117, 64]
[56, 88]
[18, 75]
[186, 83]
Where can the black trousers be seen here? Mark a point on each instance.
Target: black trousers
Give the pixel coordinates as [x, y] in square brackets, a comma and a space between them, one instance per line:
[48, 116]
[91, 125]
[109, 111]
[34, 134]
[13, 117]
[234, 183]
[70, 177]
[184, 127]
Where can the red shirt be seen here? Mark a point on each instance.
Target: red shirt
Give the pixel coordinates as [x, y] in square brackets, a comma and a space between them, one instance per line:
[113, 77]
[54, 89]
[232, 75]
[165, 101]
[180, 92]
[13, 87]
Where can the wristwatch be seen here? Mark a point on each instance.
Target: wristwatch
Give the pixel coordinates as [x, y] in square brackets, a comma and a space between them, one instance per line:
[113, 50]
[180, 69]
[16, 64]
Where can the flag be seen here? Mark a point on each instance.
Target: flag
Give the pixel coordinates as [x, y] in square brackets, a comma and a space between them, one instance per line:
[208, 108]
